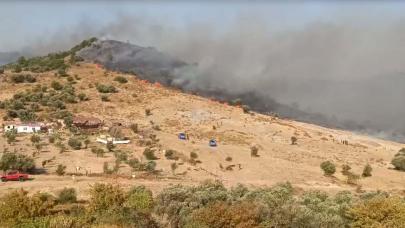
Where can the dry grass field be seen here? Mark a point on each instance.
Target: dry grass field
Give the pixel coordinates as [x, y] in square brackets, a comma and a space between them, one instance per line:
[172, 112]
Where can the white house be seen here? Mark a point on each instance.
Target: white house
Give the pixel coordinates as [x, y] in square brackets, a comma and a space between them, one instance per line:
[104, 139]
[24, 127]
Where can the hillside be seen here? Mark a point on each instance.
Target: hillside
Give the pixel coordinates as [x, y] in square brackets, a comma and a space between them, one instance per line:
[172, 112]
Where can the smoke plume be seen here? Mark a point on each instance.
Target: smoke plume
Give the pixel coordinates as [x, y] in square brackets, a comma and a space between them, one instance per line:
[351, 75]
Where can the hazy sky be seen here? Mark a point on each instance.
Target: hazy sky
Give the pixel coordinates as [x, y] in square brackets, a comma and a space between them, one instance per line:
[24, 21]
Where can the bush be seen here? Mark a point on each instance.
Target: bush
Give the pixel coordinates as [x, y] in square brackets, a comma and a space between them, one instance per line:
[106, 89]
[170, 154]
[98, 151]
[75, 143]
[10, 136]
[82, 97]
[254, 151]
[1, 70]
[346, 169]
[193, 155]
[148, 112]
[16, 206]
[120, 79]
[67, 195]
[229, 159]
[56, 85]
[140, 199]
[150, 166]
[399, 160]
[106, 197]
[35, 138]
[149, 154]
[378, 211]
[60, 170]
[134, 128]
[105, 98]
[294, 140]
[174, 166]
[367, 171]
[328, 168]
[13, 161]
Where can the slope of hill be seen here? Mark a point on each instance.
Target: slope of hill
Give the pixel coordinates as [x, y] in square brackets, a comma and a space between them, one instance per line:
[165, 112]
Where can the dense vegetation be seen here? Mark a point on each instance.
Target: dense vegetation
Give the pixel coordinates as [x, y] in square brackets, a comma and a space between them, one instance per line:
[27, 104]
[207, 205]
[53, 61]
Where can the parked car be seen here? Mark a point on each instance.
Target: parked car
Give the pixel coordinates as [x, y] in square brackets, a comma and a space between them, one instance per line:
[14, 176]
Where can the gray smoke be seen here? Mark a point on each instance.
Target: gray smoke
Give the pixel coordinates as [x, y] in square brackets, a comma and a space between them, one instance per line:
[351, 73]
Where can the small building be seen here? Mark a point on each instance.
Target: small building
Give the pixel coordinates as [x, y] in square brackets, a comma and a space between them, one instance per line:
[25, 127]
[87, 122]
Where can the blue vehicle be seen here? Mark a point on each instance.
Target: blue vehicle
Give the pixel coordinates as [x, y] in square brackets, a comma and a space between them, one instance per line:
[213, 143]
[182, 136]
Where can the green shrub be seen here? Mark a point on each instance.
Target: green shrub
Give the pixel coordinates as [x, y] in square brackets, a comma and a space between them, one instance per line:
[328, 168]
[67, 195]
[171, 155]
[105, 98]
[367, 171]
[106, 197]
[18, 78]
[150, 166]
[120, 79]
[134, 128]
[13, 161]
[16, 206]
[75, 143]
[82, 97]
[56, 85]
[98, 151]
[294, 140]
[346, 169]
[10, 136]
[399, 160]
[35, 138]
[106, 88]
[378, 212]
[193, 155]
[140, 199]
[60, 170]
[254, 151]
[149, 154]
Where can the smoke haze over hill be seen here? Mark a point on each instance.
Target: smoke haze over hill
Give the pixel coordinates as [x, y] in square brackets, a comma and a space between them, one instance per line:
[351, 72]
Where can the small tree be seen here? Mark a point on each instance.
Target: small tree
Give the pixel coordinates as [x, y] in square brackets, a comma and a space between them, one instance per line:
[294, 140]
[328, 168]
[75, 143]
[254, 151]
[11, 136]
[399, 160]
[148, 112]
[60, 170]
[367, 171]
[149, 154]
[346, 169]
[56, 85]
[61, 146]
[134, 128]
[174, 166]
[193, 155]
[98, 151]
[67, 195]
[110, 146]
[86, 143]
[35, 139]
[120, 79]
